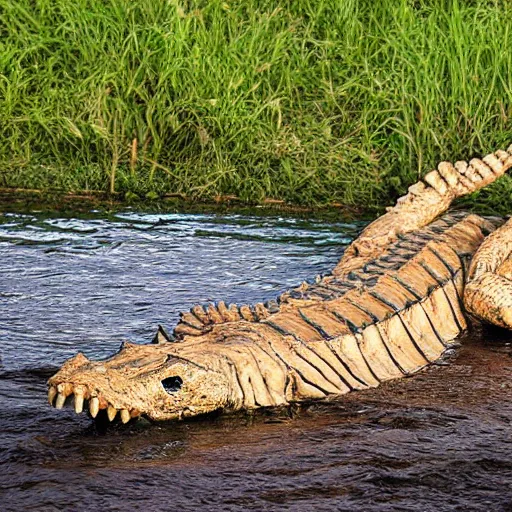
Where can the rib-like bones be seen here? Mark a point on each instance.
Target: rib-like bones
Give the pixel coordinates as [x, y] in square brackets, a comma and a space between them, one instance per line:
[392, 305]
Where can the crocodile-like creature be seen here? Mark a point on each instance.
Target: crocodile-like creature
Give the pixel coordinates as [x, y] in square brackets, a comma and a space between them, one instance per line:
[400, 295]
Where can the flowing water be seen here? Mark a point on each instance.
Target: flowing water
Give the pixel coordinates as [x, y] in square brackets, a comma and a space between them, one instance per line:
[437, 441]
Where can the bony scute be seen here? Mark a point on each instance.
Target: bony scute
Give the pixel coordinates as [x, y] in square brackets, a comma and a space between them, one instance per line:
[397, 300]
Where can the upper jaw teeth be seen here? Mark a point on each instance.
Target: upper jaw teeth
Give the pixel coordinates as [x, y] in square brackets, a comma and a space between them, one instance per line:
[52, 392]
[125, 415]
[94, 406]
[111, 412]
[58, 395]
[61, 400]
[79, 403]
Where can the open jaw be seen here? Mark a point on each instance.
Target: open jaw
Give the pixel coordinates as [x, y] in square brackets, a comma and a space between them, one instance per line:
[140, 380]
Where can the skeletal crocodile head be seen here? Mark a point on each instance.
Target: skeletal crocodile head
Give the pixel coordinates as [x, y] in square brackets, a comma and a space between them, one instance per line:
[149, 380]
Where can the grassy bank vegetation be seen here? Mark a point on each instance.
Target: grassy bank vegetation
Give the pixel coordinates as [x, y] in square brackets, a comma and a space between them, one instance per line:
[311, 101]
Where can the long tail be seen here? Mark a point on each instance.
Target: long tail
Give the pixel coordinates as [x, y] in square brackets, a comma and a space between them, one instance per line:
[425, 201]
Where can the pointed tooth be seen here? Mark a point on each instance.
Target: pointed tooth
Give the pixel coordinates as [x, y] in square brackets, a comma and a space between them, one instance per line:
[125, 416]
[61, 399]
[94, 406]
[52, 393]
[79, 402]
[111, 412]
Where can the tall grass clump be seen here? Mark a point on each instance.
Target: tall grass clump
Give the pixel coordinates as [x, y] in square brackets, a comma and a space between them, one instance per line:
[308, 101]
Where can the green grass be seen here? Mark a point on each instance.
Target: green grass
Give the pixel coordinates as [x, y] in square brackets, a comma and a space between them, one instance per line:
[310, 101]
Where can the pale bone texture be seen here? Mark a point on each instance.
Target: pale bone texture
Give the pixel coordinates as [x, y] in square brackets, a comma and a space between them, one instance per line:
[392, 305]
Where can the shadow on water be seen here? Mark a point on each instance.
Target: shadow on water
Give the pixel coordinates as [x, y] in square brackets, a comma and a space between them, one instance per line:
[439, 440]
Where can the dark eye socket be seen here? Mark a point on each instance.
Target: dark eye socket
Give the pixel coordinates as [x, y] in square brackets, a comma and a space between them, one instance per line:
[172, 384]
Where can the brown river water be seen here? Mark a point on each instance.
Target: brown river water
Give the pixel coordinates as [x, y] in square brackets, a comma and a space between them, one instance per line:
[439, 440]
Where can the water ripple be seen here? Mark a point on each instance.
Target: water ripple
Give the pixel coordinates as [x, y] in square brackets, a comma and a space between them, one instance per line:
[437, 441]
